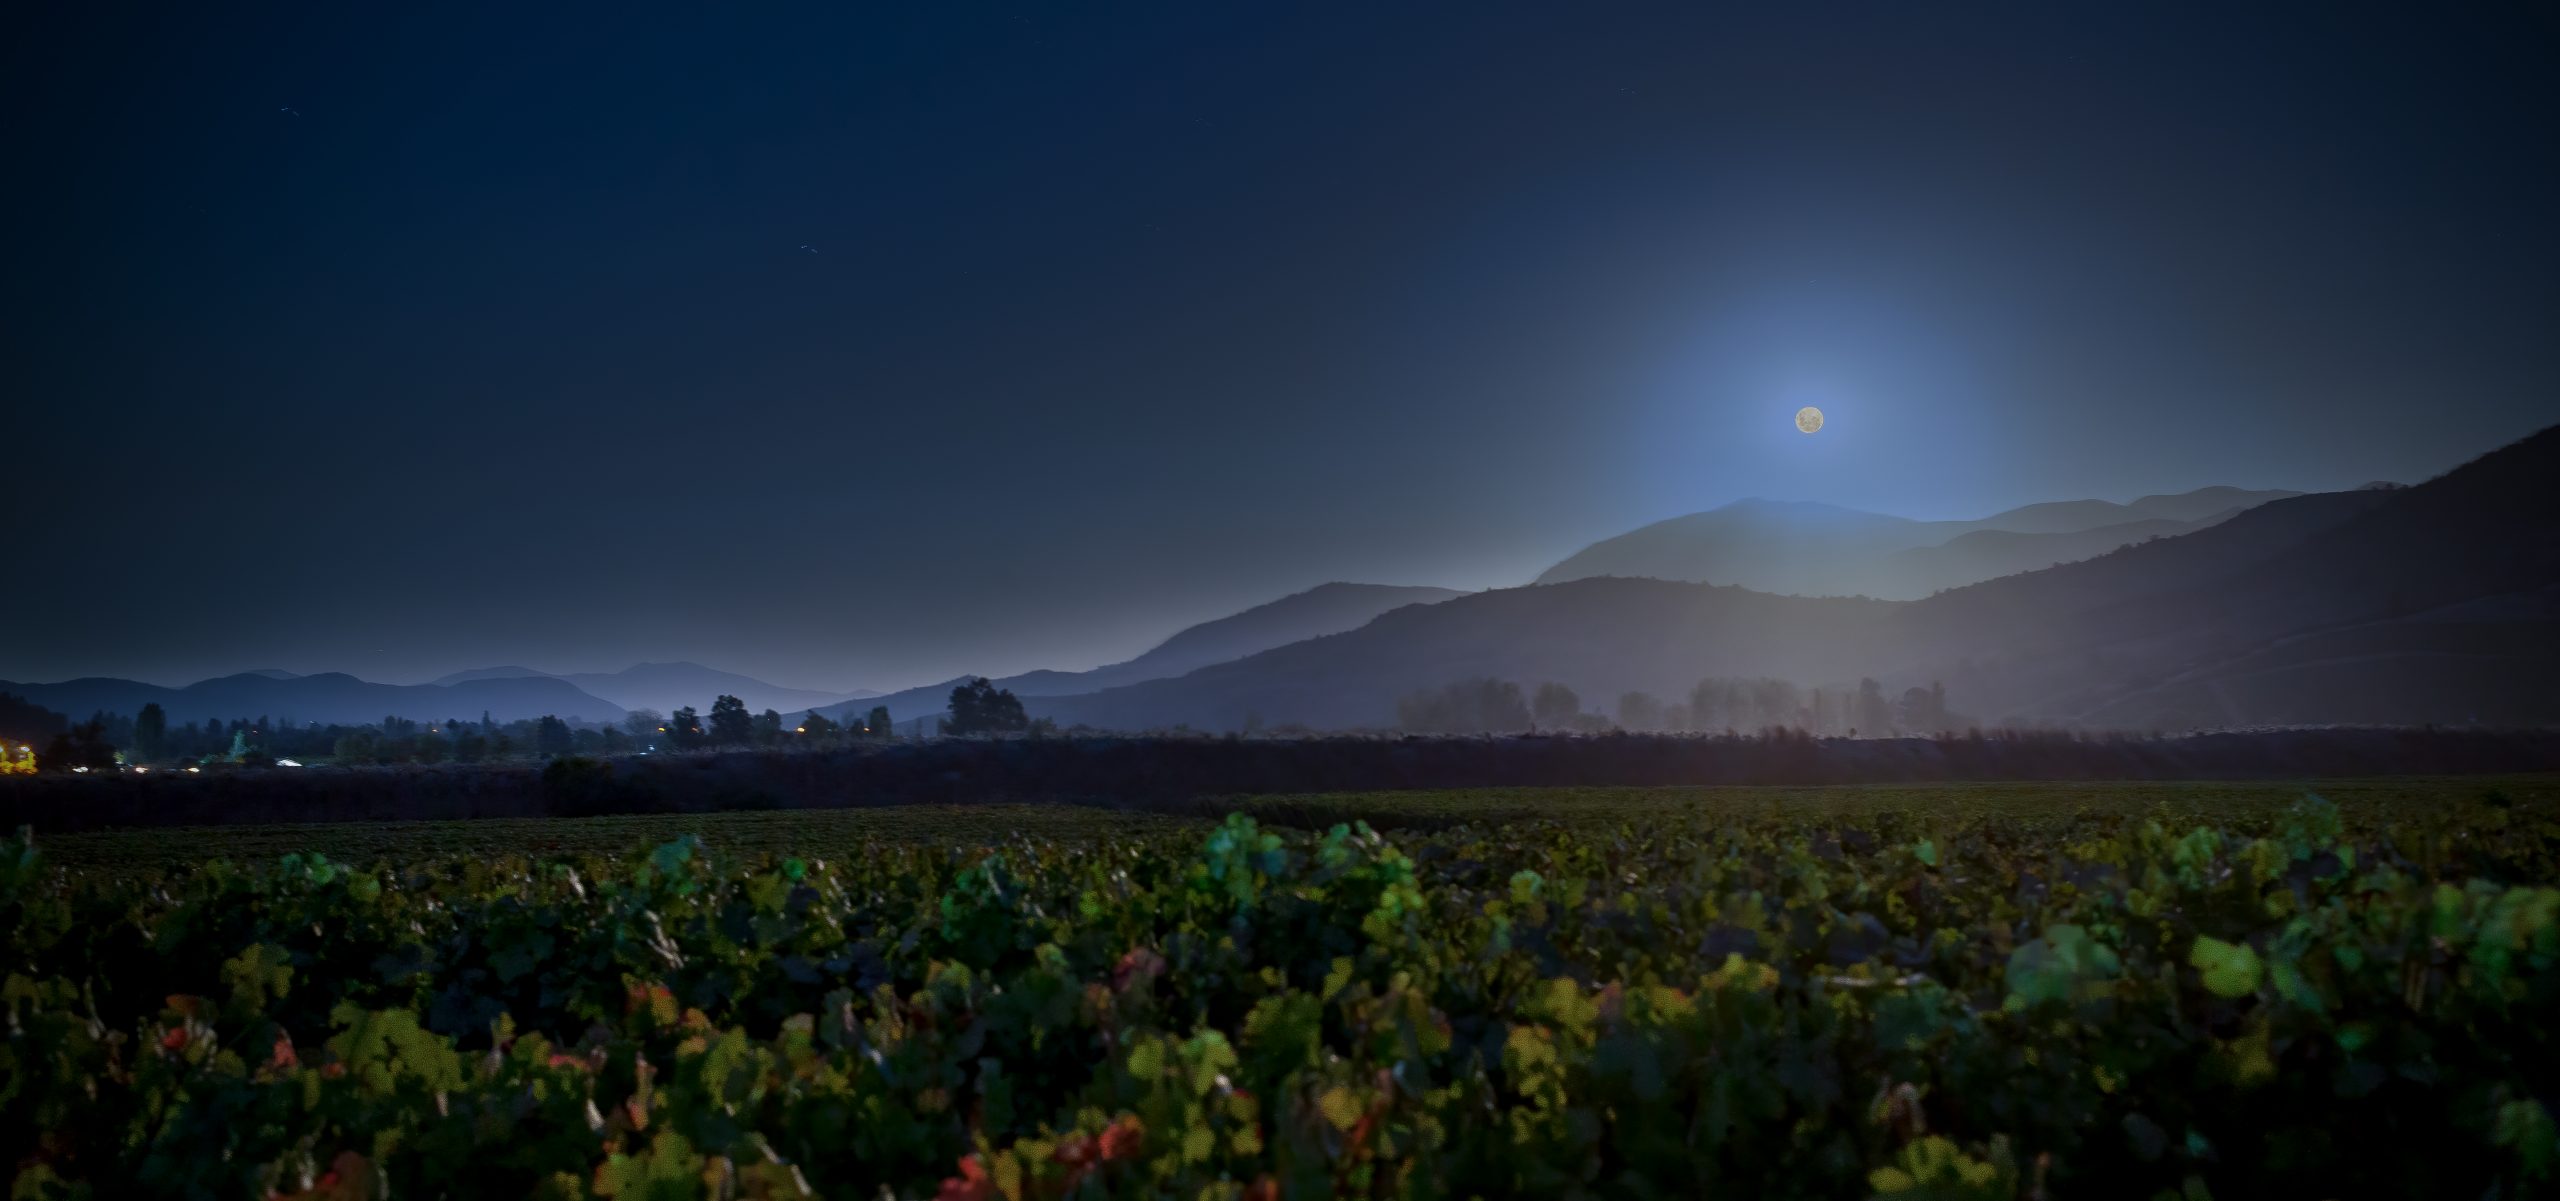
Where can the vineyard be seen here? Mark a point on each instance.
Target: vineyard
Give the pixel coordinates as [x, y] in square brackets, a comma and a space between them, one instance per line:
[1771, 998]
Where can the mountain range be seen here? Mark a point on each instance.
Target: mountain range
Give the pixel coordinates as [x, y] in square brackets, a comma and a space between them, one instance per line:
[326, 698]
[667, 687]
[1809, 549]
[1323, 609]
[2215, 607]
[2435, 603]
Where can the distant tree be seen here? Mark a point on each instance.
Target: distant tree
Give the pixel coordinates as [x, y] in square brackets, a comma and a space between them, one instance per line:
[1911, 710]
[1922, 710]
[768, 728]
[432, 748]
[644, 724]
[470, 746]
[355, 746]
[820, 728]
[731, 725]
[151, 733]
[551, 737]
[1873, 716]
[1555, 706]
[684, 729]
[876, 722]
[979, 707]
[1639, 711]
[1715, 705]
[83, 745]
[1475, 706]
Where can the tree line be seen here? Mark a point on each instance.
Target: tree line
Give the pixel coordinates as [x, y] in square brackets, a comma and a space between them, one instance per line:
[51, 742]
[1484, 705]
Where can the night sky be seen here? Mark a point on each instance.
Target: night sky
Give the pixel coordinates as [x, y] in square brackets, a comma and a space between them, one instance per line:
[501, 345]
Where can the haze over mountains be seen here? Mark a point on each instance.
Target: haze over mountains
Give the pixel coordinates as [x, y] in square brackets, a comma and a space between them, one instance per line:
[667, 687]
[2438, 603]
[2216, 607]
[1808, 549]
[1323, 609]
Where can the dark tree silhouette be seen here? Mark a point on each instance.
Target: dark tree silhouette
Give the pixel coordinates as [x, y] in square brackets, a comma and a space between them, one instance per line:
[684, 729]
[26, 724]
[83, 745]
[876, 723]
[731, 725]
[151, 733]
[551, 737]
[979, 707]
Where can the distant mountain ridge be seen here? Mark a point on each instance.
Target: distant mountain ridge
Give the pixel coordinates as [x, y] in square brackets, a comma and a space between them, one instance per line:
[666, 687]
[1323, 609]
[326, 698]
[2434, 603]
[1805, 549]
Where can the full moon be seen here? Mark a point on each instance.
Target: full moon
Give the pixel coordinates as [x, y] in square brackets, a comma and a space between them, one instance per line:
[1808, 419]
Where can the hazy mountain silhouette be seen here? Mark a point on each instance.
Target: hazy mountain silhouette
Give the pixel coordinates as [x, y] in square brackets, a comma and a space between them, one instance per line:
[1323, 609]
[2427, 603]
[1807, 549]
[329, 697]
[2431, 603]
[1602, 636]
[667, 687]
[488, 673]
[1990, 554]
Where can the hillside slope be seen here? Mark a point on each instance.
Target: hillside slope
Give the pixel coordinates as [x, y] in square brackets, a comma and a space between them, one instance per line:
[1323, 609]
[2303, 609]
[1809, 549]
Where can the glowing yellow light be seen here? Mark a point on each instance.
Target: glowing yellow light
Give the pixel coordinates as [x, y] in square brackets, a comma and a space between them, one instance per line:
[799, 729]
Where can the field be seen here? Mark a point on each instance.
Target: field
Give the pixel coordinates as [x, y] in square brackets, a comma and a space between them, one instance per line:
[826, 832]
[2009, 990]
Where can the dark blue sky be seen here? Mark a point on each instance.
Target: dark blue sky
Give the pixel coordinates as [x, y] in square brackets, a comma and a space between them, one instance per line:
[503, 349]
